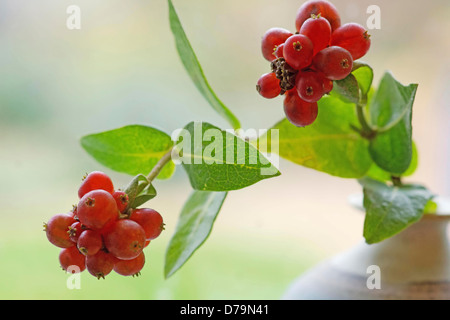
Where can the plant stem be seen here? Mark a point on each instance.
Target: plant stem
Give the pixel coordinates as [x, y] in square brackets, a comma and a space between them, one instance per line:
[396, 181]
[367, 131]
[159, 166]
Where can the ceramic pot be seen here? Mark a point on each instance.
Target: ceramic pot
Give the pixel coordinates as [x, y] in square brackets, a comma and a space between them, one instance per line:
[412, 265]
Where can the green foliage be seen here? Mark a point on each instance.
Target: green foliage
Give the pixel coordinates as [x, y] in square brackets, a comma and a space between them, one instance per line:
[330, 144]
[390, 209]
[133, 149]
[194, 69]
[217, 160]
[139, 191]
[193, 228]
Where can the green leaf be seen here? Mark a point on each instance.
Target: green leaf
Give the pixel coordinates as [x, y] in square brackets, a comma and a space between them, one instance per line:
[364, 75]
[391, 116]
[379, 174]
[194, 69]
[217, 160]
[330, 144]
[139, 191]
[347, 89]
[193, 228]
[391, 209]
[133, 149]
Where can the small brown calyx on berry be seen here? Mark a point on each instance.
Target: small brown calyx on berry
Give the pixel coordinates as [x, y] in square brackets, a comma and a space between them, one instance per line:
[100, 275]
[345, 64]
[137, 274]
[309, 91]
[45, 226]
[297, 46]
[285, 73]
[123, 198]
[366, 35]
[316, 16]
[72, 231]
[90, 202]
[162, 227]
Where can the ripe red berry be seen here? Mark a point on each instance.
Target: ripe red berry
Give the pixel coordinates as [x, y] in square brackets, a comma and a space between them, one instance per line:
[271, 39]
[309, 85]
[335, 62]
[268, 86]
[299, 112]
[90, 242]
[57, 229]
[74, 231]
[150, 220]
[96, 208]
[316, 7]
[122, 200]
[71, 257]
[279, 51]
[94, 181]
[318, 30]
[327, 84]
[101, 264]
[298, 51]
[130, 267]
[125, 239]
[352, 37]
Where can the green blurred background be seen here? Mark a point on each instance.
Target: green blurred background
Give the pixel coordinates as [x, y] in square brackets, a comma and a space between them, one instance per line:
[122, 68]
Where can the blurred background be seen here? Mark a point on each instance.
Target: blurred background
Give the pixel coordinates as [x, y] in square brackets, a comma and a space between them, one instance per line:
[121, 68]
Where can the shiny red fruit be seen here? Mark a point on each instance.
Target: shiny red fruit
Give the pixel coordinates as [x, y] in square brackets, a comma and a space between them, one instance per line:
[352, 37]
[315, 7]
[271, 39]
[299, 112]
[72, 260]
[309, 86]
[150, 220]
[94, 181]
[125, 239]
[298, 51]
[57, 229]
[96, 208]
[318, 30]
[334, 62]
[268, 86]
[130, 267]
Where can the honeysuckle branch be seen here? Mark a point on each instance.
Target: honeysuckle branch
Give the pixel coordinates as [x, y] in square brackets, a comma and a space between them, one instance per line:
[366, 130]
[160, 165]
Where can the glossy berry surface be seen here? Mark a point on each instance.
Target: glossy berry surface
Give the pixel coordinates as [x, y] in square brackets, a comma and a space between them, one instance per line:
[89, 242]
[298, 51]
[352, 37]
[130, 267]
[299, 112]
[271, 39]
[74, 231]
[318, 30]
[94, 181]
[268, 86]
[121, 199]
[101, 264]
[309, 86]
[334, 62]
[57, 229]
[96, 208]
[150, 220]
[72, 257]
[125, 239]
[316, 7]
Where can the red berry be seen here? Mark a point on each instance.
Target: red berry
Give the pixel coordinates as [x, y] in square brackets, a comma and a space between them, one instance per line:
[318, 30]
[299, 112]
[298, 51]
[94, 181]
[271, 39]
[316, 7]
[130, 267]
[147, 242]
[72, 257]
[100, 264]
[335, 62]
[150, 220]
[75, 229]
[352, 37]
[279, 51]
[90, 242]
[96, 209]
[268, 86]
[122, 200]
[57, 229]
[309, 85]
[125, 239]
[327, 84]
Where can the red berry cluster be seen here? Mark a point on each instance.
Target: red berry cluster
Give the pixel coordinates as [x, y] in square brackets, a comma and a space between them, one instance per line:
[101, 234]
[305, 64]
